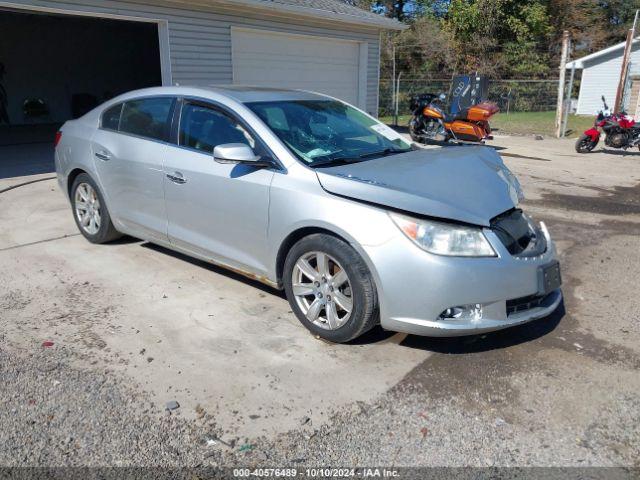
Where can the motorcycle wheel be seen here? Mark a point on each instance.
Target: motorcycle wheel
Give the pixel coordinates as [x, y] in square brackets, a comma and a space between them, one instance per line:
[414, 136]
[412, 132]
[584, 144]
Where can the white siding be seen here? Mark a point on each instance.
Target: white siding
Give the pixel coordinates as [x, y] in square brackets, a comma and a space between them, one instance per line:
[600, 77]
[200, 36]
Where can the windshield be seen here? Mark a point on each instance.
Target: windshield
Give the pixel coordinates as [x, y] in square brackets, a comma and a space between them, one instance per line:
[323, 132]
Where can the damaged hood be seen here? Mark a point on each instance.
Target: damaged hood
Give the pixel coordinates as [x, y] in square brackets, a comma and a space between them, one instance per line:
[468, 184]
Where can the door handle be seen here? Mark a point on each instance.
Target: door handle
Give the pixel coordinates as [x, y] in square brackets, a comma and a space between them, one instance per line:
[103, 156]
[177, 177]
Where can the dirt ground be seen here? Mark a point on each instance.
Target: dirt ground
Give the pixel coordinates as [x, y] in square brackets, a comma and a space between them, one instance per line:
[134, 326]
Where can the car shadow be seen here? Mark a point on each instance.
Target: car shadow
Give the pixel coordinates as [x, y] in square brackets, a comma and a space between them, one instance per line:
[215, 268]
[124, 240]
[489, 341]
[376, 335]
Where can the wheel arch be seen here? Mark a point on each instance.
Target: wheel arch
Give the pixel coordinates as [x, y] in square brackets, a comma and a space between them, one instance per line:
[304, 231]
[71, 177]
[290, 240]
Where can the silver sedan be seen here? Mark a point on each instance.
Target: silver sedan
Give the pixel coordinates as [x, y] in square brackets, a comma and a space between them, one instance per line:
[311, 195]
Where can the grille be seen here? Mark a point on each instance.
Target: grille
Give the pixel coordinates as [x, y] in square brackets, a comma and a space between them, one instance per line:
[523, 304]
[518, 235]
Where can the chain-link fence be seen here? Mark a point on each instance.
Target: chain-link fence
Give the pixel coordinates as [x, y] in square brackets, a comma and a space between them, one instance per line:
[510, 95]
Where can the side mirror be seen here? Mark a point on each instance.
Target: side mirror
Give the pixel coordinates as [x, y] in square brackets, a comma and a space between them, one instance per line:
[238, 153]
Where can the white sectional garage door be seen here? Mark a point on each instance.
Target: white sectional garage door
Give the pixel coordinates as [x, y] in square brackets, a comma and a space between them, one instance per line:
[271, 59]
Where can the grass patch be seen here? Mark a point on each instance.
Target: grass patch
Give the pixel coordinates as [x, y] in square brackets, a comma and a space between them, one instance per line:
[525, 123]
[541, 123]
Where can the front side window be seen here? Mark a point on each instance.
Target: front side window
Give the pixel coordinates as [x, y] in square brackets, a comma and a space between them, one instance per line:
[111, 117]
[147, 117]
[203, 128]
[321, 132]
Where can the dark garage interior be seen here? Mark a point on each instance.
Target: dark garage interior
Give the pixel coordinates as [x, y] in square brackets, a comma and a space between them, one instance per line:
[57, 67]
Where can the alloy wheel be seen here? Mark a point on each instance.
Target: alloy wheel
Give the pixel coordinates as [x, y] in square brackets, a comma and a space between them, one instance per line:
[322, 290]
[87, 207]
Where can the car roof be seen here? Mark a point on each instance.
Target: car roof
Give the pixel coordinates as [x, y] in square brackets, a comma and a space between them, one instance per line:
[247, 94]
[239, 93]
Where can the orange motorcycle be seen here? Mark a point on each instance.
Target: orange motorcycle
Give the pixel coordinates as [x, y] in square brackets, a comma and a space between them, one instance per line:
[430, 122]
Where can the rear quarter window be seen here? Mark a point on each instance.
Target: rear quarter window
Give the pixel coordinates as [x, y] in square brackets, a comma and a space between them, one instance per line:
[111, 117]
[147, 117]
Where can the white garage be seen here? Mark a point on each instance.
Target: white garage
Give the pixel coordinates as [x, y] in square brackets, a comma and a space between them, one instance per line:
[331, 66]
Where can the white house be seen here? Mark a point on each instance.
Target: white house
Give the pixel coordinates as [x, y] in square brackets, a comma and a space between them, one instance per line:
[600, 76]
[63, 57]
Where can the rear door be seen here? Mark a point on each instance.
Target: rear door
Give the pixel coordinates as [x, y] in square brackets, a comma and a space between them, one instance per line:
[129, 150]
[219, 211]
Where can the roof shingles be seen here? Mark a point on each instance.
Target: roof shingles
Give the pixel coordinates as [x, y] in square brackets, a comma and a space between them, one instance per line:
[338, 7]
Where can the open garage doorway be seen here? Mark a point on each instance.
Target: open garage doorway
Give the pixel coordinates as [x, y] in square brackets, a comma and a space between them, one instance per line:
[55, 67]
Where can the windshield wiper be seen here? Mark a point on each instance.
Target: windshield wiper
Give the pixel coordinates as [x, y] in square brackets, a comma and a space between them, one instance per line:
[358, 158]
[385, 152]
[335, 161]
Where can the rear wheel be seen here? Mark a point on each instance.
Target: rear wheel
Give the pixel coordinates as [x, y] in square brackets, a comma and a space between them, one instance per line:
[330, 288]
[90, 211]
[585, 144]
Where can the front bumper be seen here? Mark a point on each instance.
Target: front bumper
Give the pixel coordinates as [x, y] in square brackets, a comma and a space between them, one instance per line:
[413, 296]
[488, 323]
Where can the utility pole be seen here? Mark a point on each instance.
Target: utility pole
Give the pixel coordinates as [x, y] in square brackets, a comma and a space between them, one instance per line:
[393, 83]
[565, 117]
[563, 68]
[397, 99]
[617, 107]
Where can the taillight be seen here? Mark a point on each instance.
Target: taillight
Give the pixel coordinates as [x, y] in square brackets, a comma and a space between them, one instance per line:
[57, 139]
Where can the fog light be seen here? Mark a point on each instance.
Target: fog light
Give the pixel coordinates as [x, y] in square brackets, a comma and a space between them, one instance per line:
[471, 312]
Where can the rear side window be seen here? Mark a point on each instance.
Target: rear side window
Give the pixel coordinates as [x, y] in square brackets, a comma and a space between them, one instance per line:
[111, 117]
[147, 117]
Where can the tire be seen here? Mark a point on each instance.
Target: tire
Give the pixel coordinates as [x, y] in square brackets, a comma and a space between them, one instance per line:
[99, 229]
[584, 144]
[358, 291]
[412, 131]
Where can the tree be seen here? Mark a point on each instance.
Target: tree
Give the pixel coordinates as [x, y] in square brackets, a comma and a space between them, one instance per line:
[404, 10]
[593, 24]
[500, 37]
[421, 51]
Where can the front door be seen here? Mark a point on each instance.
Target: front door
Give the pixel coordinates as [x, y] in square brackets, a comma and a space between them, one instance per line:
[219, 211]
[129, 150]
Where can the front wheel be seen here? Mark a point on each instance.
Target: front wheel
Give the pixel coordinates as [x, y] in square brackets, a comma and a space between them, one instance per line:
[413, 131]
[585, 144]
[330, 288]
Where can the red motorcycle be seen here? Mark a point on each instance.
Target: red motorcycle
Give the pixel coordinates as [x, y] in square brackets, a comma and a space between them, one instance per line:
[621, 131]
